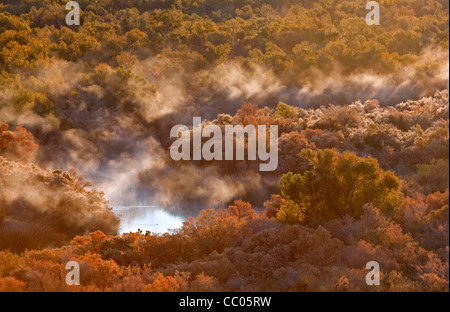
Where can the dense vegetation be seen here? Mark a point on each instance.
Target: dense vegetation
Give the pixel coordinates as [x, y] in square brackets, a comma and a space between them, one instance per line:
[235, 249]
[41, 208]
[363, 117]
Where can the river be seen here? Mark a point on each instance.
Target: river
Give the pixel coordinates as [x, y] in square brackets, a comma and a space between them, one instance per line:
[147, 218]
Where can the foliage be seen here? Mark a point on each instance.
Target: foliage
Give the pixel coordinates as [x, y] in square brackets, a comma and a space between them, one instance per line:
[224, 251]
[18, 145]
[363, 118]
[337, 185]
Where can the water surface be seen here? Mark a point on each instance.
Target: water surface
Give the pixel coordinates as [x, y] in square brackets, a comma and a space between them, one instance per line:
[147, 218]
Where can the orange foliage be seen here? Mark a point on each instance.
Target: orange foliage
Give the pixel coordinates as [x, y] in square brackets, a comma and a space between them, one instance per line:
[222, 250]
[16, 145]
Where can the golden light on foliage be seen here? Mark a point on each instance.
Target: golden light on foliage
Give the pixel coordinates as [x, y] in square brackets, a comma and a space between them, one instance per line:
[363, 144]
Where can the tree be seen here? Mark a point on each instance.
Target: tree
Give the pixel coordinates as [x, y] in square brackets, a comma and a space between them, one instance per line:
[18, 145]
[434, 177]
[286, 111]
[335, 186]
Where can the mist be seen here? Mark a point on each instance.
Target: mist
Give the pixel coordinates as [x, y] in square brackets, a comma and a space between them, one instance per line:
[116, 129]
